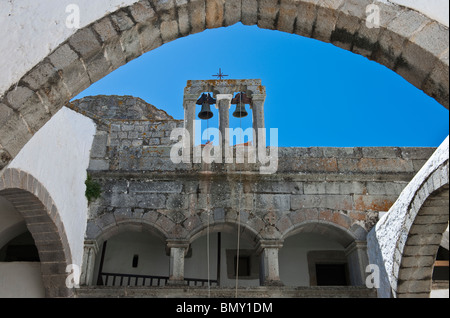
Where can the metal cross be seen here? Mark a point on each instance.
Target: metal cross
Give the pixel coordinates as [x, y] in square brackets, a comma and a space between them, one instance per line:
[220, 75]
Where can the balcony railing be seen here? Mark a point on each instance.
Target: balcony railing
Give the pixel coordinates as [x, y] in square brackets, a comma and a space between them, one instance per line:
[115, 279]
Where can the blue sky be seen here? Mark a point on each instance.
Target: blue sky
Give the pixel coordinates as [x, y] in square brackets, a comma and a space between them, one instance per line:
[317, 94]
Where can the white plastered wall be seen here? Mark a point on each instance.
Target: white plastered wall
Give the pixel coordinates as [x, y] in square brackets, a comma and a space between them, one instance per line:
[17, 279]
[58, 157]
[12, 223]
[435, 9]
[31, 29]
[21, 280]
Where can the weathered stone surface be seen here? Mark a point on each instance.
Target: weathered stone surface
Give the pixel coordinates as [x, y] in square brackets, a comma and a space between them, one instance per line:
[184, 24]
[130, 43]
[63, 57]
[40, 75]
[249, 12]
[436, 85]
[352, 15]
[415, 286]
[215, 13]
[19, 96]
[374, 203]
[105, 29]
[306, 17]
[265, 292]
[197, 15]
[287, 16]
[267, 14]
[334, 188]
[98, 66]
[326, 20]
[401, 25]
[119, 107]
[11, 143]
[142, 12]
[385, 188]
[5, 158]
[121, 20]
[337, 202]
[169, 30]
[5, 113]
[233, 9]
[75, 77]
[84, 42]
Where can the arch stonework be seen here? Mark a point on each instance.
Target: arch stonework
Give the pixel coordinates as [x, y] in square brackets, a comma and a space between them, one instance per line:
[414, 275]
[351, 238]
[407, 42]
[253, 228]
[246, 231]
[405, 241]
[42, 219]
[191, 228]
[108, 225]
[416, 256]
[325, 222]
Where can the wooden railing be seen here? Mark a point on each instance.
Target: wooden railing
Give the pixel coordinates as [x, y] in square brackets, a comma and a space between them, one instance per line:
[115, 279]
[201, 282]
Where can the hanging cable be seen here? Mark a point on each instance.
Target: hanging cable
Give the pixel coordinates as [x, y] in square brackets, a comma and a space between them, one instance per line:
[207, 230]
[239, 209]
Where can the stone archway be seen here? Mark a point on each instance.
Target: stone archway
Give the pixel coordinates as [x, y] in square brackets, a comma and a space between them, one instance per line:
[106, 227]
[217, 246]
[408, 236]
[231, 226]
[352, 240]
[42, 219]
[421, 246]
[407, 42]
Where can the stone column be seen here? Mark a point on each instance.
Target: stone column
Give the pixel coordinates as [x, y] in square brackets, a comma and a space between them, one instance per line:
[258, 118]
[223, 103]
[357, 260]
[178, 250]
[189, 105]
[270, 272]
[87, 267]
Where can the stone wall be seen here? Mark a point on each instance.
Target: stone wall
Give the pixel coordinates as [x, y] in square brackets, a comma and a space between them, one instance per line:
[63, 148]
[130, 158]
[50, 64]
[132, 135]
[405, 241]
[26, 44]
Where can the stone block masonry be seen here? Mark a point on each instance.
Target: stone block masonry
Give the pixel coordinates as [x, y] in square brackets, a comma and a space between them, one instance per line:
[130, 158]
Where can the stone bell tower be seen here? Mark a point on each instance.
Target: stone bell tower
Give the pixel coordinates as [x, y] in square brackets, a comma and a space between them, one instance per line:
[222, 94]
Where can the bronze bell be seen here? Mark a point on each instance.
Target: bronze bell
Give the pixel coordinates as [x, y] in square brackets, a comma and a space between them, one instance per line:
[240, 100]
[206, 101]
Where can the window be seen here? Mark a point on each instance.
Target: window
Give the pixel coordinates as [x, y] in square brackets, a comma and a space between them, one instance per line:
[328, 268]
[331, 275]
[135, 261]
[243, 267]
[441, 266]
[248, 264]
[20, 249]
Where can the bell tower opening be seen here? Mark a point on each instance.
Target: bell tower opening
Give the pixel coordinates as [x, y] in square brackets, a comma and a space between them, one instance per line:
[241, 122]
[236, 120]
